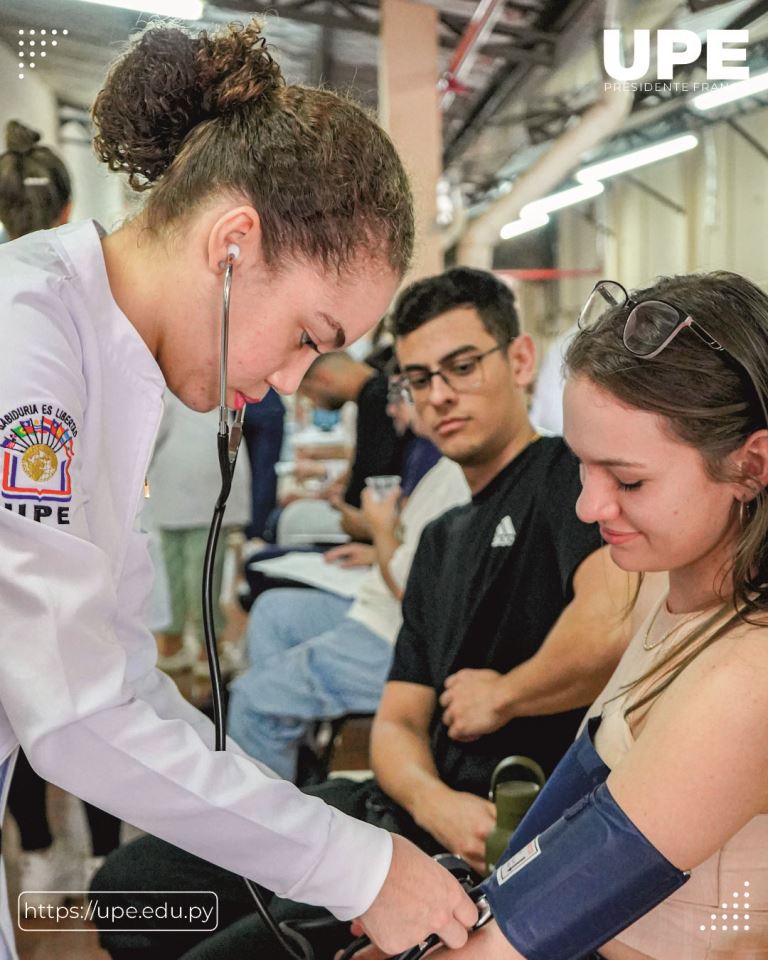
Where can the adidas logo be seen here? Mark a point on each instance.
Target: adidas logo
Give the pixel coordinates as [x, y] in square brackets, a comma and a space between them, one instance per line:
[505, 534]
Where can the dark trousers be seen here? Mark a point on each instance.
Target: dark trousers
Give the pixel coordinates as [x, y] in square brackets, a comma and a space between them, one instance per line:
[152, 864]
[26, 801]
[263, 428]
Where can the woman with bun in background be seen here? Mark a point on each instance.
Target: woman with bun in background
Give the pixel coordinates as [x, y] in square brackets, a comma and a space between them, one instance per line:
[35, 186]
[305, 196]
[36, 194]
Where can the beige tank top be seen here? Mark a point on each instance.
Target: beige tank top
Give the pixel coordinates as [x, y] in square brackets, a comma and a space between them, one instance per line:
[722, 911]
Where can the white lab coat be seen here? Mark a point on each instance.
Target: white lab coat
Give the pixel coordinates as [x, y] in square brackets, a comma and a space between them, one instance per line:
[78, 685]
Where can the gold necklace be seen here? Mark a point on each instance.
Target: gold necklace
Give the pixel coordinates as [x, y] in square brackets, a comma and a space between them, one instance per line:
[669, 633]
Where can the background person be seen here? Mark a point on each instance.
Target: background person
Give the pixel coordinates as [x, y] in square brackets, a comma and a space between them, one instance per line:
[315, 655]
[331, 381]
[263, 430]
[35, 185]
[183, 483]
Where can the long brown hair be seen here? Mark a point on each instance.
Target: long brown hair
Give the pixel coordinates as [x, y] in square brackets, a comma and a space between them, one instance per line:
[191, 116]
[35, 186]
[707, 401]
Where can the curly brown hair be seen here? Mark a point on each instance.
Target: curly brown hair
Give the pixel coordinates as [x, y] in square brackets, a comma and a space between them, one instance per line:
[34, 183]
[191, 116]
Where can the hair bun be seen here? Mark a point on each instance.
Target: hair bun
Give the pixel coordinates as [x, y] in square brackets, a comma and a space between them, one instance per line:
[20, 139]
[236, 68]
[167, 83]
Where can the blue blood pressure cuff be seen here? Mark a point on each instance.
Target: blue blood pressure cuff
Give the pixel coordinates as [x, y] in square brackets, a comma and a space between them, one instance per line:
[578, 773]
[561, 892]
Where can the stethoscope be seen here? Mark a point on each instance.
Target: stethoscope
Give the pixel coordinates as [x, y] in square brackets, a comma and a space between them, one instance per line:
[228, 439]
[227, 442]
[464, 874]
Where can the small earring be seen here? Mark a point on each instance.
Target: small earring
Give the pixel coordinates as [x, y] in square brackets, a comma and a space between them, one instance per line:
[743, 513]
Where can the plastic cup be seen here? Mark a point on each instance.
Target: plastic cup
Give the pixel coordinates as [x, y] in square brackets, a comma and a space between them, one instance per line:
[382, 486]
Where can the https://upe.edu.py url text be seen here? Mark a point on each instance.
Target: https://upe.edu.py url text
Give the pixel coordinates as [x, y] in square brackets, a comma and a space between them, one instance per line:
[124, 910]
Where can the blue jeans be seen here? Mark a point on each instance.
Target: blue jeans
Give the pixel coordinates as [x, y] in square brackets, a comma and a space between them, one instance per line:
[309, 661]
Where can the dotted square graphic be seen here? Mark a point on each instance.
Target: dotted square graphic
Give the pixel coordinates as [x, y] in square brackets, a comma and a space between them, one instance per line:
[740, 900]
[35, 44]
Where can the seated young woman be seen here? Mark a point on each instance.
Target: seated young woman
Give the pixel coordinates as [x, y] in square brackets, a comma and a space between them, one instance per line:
[651, 838]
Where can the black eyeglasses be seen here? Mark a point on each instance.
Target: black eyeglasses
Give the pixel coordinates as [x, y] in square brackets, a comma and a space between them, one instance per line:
[651, 325]
[462, 374]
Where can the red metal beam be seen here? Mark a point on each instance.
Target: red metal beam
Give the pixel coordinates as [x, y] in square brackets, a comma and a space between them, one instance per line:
[549, 273]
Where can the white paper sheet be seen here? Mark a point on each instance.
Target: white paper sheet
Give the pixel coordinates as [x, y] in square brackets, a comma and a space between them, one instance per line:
[312, 569]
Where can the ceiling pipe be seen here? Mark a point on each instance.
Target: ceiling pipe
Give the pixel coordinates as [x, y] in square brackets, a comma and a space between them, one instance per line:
[598, 123]
[451, 234]
[479, 28]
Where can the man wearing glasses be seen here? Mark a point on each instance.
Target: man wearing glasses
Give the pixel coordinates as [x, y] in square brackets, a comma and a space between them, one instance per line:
[513, 614]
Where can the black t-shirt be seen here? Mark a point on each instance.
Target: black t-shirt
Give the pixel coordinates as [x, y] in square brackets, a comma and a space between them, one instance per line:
[378, 449]
[488, 581]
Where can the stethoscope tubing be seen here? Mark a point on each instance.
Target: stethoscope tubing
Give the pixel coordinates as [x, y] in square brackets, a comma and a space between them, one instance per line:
[228, 442]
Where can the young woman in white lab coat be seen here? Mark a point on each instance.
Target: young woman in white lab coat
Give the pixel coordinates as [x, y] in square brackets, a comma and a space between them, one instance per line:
[305, 195]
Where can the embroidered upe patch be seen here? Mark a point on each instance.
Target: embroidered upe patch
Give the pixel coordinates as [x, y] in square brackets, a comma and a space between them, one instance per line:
[37, 447]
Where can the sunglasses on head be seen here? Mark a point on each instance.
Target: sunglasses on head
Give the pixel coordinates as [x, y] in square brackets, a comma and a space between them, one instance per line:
[651, 325]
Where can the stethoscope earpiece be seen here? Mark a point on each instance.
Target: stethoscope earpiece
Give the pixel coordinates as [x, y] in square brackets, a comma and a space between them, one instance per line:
[233, 252]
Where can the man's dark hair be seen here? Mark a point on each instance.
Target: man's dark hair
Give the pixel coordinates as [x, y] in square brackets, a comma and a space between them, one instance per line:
[426, 299]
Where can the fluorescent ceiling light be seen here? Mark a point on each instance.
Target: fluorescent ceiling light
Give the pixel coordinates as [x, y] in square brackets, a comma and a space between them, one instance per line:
[535, 214]
[638, 158]
[565, 198]
[731, 92]
[180, 9]
[517, 227]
